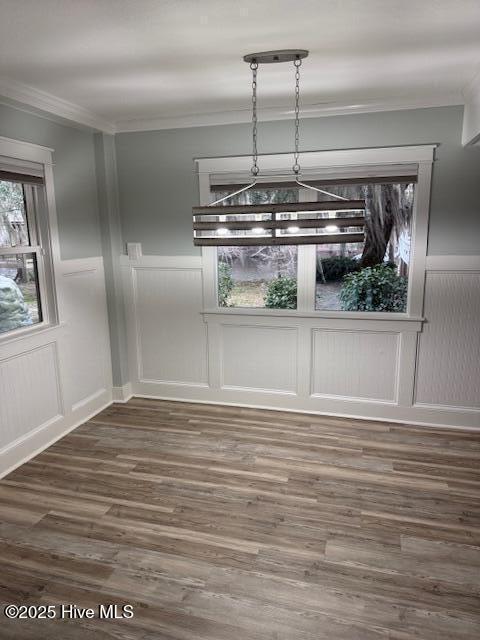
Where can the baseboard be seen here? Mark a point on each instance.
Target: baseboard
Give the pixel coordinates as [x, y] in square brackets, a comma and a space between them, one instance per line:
[378, 412]
[33, 443]
[122, 394]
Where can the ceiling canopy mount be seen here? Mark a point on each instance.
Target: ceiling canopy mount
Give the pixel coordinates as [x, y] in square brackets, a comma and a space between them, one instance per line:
[281, 55]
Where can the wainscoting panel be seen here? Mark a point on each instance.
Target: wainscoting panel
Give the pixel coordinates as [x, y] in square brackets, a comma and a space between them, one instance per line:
[52, 379]
[448, 371]
[30, 392]
[171, 334]
[355, 364]
[183, 348]
[259, 358]
[86, 352]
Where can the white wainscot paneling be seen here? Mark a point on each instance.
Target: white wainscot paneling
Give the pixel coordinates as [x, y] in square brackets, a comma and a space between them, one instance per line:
[259, 358]
[29, 392]
[86, 350]
[448, 372]
[355, 364]
[181, 347]
[54, 378]
[171, 335]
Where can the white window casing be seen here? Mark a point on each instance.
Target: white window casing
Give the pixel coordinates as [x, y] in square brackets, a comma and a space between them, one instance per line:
[33, 160]
[386, 161]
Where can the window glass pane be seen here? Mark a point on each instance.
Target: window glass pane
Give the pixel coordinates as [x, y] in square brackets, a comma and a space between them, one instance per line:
[19, 298]
[371, 275]
[13, 219]
[279, 195]
[258, 276]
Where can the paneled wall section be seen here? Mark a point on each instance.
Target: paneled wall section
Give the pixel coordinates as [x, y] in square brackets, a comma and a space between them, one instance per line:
[449, 355]
[412, 371]
[53, 380]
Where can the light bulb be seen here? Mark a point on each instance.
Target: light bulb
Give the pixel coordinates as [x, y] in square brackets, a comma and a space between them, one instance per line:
[222, 231]
[293, 229]
[330, 228]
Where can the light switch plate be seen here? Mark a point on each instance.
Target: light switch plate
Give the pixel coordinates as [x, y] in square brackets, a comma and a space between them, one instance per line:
[134, 250]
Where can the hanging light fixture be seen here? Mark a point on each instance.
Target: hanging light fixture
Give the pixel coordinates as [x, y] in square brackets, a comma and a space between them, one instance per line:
[324, 222]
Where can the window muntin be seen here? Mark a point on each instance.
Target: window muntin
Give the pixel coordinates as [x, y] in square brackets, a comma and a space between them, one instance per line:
[21, 258]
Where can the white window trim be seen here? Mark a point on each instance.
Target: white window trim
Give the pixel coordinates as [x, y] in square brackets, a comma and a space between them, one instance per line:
[31, 155]
[421, 156]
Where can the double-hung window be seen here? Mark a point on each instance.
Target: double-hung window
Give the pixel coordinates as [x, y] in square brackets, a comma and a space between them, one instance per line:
[25, 268]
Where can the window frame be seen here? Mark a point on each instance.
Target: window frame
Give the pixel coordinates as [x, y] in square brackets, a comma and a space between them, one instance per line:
[40, 214]
[373, 161]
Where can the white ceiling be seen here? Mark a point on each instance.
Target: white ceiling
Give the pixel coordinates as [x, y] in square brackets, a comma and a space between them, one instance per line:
[181, 60]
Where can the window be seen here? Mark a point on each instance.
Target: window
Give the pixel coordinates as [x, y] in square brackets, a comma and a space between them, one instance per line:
[257, 275]
[373, 267]
[371, 275]
[21, 254]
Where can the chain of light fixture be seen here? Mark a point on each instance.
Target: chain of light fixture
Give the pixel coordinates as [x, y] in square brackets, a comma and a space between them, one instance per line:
[296, 165]
[297, 63]
[255, 170]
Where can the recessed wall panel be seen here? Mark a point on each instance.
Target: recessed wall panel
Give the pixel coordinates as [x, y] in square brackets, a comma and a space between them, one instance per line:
[171, 332]
[86, 352]
[29, 392]
[448, 371]
[259, 357]
[355, 364]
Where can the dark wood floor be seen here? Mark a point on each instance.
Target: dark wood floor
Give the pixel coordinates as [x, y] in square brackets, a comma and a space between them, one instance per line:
[221, 523]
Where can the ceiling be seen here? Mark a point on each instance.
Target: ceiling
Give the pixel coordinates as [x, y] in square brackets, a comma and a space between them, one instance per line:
[134, 63]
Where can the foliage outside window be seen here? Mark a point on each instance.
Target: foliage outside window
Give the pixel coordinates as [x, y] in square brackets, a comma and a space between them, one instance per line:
[377, 288]
[20, 304]
[281, 293]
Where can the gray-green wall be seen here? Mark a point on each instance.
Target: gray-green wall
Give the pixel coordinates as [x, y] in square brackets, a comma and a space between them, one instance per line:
[74, 177]
[158, 186]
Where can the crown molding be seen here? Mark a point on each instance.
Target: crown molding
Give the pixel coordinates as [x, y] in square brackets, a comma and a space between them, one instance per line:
[61, 110]
[471, 116]
[47, 105]
[286, 113]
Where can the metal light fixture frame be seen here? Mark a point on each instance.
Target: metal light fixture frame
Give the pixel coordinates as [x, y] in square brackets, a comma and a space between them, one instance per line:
[279, 224]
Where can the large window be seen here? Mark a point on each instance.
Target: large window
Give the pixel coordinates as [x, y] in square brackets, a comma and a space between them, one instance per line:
[371, 275]
[375, 265]
[21, 253]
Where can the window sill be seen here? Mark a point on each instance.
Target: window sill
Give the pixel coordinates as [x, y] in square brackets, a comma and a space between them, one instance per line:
[413, 323]
[28, 332]
[348, 315]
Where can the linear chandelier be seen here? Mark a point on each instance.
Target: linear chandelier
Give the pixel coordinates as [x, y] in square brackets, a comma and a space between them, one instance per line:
[323, 222]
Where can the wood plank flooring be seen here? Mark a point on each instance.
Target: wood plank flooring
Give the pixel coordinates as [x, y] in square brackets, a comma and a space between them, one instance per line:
[221, 523]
